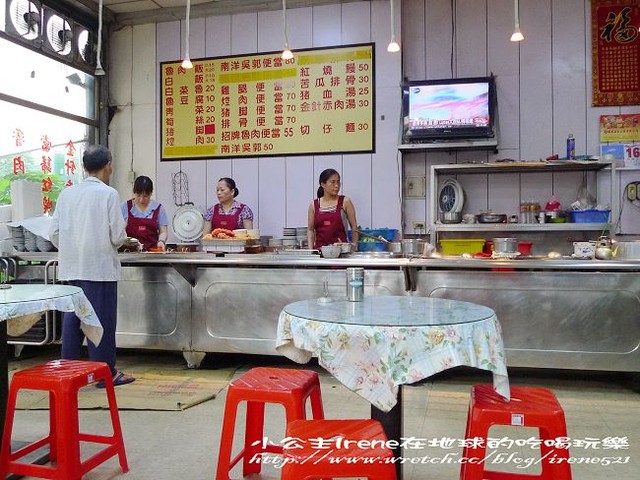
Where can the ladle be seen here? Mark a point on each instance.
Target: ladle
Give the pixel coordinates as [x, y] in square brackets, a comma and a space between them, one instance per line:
[379, 237]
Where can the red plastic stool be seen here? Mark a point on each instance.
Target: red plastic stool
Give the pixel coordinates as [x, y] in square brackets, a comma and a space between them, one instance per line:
[529, 407]
[321, 443]
[62, 379]
[258, 386]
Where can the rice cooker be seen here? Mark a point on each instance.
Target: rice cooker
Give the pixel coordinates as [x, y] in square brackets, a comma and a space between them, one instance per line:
[187, 225]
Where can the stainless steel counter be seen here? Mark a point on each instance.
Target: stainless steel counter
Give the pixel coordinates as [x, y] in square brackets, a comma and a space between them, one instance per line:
[555, 313]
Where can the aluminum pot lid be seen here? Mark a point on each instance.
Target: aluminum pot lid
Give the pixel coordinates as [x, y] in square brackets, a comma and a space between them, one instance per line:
[187, 223]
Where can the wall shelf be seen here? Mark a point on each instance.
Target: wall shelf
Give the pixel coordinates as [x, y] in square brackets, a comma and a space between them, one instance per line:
[484, 144]
[512, 167]
[520, 227]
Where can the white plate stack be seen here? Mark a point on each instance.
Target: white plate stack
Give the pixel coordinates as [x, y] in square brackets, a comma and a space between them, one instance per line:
[289, 238]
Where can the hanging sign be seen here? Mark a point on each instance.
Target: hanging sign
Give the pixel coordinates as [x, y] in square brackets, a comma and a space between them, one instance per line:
[319, 102]
[615, 52]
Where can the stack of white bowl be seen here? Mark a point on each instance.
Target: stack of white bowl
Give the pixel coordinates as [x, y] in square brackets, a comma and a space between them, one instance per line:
[289, 239]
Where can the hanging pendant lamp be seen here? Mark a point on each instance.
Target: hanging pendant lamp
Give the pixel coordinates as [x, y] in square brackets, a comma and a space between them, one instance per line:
[517, 35]
[287, 54]
[186, 63]
[393, 44]
[99, 70]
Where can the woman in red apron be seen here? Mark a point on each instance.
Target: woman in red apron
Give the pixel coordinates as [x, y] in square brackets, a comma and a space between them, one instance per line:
[330, 214]
[146, 219]
[227, 213]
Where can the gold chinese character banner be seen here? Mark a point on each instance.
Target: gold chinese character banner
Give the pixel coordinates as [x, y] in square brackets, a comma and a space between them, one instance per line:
[615, 52]
[321, 101]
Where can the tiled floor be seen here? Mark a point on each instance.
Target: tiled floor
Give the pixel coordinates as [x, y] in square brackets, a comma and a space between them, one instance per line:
[171, 445]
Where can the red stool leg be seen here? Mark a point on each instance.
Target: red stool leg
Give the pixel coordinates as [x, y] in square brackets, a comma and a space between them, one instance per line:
[115, 424]
[5, 452]
[67, 435]
[317, 409]
[226, 437]
[53, 425]
[253, 437]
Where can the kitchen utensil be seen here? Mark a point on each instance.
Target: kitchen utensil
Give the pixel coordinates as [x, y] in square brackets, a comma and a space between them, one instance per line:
[505, 245]
[187, 223]
[412, 246]
[394, 247]
[492, 218]
[450, 217]
[378, 238]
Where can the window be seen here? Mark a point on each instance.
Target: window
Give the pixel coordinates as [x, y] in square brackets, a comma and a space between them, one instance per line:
[48, 117]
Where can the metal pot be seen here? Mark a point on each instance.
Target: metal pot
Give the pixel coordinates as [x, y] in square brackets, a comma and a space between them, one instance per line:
[505, 245]
[451, 217]
[394, 247]
[412, 246]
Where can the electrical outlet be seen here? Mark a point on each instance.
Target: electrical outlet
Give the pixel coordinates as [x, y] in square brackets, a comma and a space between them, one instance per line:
[132, 176]
[632, 191]
[414, 187]
[418, 225]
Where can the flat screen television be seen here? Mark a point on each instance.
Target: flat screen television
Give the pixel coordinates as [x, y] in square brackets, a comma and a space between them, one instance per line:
[449, 109]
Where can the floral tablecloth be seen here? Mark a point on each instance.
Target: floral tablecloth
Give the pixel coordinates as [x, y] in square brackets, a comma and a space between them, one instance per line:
[20, 304]
[393, 341]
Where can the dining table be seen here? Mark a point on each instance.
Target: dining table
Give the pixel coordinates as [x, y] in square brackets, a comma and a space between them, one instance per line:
[377, 345]
[21, 306]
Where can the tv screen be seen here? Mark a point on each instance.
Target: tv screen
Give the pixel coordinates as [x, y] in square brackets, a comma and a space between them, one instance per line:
[449, 109]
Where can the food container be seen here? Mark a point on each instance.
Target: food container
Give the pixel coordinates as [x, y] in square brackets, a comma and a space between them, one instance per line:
[459, 246]
[525, 248]
[412, 246]
[451, 217]
[584, 249]
[627, 249]
[355, 284]
[492, 218]
[372, 246]
[589, 216]
[331, 251]
[388, 234]
[505, 245]
[226, 245]
[345, 247]
[394, 247]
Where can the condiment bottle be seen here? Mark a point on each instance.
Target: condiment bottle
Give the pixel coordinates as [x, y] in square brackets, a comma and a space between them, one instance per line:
[355, 284]
[571, 147]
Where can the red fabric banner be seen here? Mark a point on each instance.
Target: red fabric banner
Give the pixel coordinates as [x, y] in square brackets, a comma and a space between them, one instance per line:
[616, 52]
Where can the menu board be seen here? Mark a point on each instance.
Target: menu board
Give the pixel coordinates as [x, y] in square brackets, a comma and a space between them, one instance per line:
[319, 102]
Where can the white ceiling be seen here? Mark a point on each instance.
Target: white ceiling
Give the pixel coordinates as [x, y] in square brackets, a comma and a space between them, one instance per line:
[129, 12]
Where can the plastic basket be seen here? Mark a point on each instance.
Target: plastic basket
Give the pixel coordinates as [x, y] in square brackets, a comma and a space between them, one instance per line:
[372, 246]
[459, 246]
[589, 216]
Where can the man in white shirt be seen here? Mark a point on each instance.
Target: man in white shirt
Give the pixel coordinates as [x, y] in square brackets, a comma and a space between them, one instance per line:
[88, 228]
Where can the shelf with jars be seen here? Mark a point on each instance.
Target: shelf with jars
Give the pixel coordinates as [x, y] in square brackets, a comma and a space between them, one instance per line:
[533, 223]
